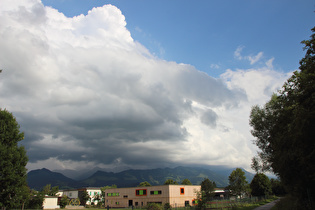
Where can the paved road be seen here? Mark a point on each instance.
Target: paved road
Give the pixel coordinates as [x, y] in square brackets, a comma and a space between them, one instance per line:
[267, 206]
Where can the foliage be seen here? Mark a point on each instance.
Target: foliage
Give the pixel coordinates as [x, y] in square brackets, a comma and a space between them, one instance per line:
[260, 185]
[96, 199]
[207, 188]
[144, 184]
[36, 200]
[13, 160]
[277, 187]
[84, 197]
[154, 206]
[206, 193]
[186, 182]
[167, 206]
[170, 181]
[284, 130]
[237, 182]
[63, 201]
[50, 191]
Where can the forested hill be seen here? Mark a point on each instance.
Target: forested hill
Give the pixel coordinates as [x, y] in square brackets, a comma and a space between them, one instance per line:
[37, 179]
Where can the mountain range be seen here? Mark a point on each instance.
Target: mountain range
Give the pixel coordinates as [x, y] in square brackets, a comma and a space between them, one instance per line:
[37, 179]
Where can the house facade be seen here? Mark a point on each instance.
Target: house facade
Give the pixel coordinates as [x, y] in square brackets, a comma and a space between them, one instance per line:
[50, 202]
[175, 195]
[76, 193]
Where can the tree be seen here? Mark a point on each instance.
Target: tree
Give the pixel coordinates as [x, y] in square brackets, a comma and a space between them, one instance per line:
[144, 184]
[169, 182]
[284, 130]
[84, 197]
[13, 160]
[96, 199]
[277, 187]
[36, 200]
[260, 185]
[50, 191]
[237, 182]
[63, 201]
[206, 193]
[186, 182]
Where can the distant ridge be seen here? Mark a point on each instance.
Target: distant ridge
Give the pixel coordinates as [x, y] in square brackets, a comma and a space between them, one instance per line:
[37, 179]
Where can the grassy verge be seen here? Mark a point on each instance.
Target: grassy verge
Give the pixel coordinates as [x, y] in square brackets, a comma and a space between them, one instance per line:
[250, 206]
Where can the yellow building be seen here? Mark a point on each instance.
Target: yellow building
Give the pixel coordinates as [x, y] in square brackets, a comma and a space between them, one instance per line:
[175, 195]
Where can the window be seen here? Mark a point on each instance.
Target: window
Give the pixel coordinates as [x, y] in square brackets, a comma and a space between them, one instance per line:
[186, 203]
[117, 203]
[141, 192]
[125, 196]
[194, 202]
[182, 191]
[112, 194]
[156, 192]
[136, 203]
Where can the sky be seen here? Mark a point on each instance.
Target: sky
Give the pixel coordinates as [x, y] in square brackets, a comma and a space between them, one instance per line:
[144, 84]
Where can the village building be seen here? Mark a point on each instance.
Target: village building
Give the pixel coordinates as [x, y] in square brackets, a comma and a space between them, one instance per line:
[76, 194]
[175, 195]
[50, 202]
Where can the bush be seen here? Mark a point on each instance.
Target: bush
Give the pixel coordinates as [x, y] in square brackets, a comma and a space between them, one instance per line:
[63, 201]
[167, 206]
[154, 206]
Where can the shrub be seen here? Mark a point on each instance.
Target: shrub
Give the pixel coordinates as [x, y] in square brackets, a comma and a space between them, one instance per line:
[154, 206]
[63, 201]
[167, 206]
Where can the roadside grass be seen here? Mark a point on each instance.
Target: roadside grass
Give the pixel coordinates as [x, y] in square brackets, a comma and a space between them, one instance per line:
[253, 205]
[235, 206]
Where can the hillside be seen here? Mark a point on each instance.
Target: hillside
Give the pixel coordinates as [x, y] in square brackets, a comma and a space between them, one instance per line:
[37, 179]
[130, 178]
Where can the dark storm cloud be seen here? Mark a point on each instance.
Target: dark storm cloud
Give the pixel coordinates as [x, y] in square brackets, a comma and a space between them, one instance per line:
[85, 93]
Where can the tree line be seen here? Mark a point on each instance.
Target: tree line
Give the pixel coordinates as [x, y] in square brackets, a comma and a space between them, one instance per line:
[284, 132]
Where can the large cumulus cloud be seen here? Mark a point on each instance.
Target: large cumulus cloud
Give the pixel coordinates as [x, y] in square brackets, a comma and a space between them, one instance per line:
[85, 93]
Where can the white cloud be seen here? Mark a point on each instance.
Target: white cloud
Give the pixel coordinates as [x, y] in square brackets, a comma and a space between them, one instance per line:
[214, 66]
[84, 85]
[251, 58]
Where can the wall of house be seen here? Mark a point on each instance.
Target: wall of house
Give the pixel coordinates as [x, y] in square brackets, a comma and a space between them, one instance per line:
[71, 193]
[183, 195]
[141, 196]
[50, 203]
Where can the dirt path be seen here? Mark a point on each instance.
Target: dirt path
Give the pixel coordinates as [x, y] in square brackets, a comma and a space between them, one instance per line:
[267, 206]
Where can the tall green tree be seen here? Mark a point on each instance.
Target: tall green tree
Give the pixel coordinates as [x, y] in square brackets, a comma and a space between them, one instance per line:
[84, 197]
[13, 160]
[206, 193]
[284, 130]
[237, 182]
[260, 185]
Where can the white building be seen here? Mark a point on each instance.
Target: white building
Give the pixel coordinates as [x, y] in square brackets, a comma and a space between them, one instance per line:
[51, 202]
